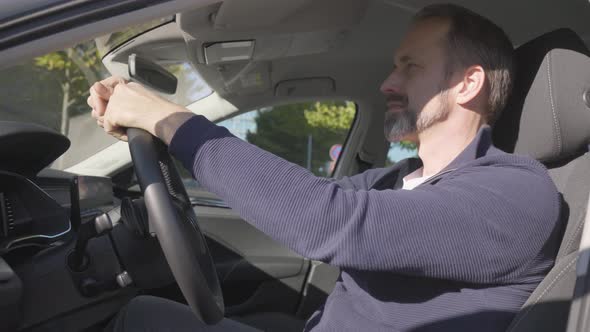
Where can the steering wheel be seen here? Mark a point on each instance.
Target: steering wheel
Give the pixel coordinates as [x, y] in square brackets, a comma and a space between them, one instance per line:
[173, 219]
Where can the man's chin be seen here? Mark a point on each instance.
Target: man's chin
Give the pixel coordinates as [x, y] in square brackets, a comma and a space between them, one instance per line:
[400, 126]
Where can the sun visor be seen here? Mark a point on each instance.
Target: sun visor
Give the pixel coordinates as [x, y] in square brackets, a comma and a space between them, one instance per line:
[28, 148]
[229, 51]
[246, 78]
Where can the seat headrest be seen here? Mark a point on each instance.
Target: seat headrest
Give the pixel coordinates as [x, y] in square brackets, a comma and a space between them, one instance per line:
[548, 114]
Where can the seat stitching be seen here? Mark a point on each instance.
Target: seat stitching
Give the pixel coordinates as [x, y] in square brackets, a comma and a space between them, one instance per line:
[529, 308]
[576, 231]
[555, 120]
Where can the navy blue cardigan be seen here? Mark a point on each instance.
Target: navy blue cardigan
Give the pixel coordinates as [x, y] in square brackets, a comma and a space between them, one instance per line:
[461, 252]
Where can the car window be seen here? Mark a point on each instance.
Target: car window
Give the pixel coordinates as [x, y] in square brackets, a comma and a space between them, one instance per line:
[110, 41]
[309, 134]
[51, 90]
[399, 151]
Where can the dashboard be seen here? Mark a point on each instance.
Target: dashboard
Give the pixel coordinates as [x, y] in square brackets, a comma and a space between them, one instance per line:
[39, 205]
[47, 207]
[42, 211]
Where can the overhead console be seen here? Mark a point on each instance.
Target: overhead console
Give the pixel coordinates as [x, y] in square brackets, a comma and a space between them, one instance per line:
[278, 29]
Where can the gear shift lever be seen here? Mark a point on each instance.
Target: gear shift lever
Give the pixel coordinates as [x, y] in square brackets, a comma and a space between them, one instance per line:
[98, 226]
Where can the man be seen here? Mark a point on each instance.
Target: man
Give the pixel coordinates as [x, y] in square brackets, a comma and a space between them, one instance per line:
[460, 249]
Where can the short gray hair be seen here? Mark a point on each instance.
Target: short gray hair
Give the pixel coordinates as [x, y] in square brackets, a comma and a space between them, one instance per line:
[474, 40]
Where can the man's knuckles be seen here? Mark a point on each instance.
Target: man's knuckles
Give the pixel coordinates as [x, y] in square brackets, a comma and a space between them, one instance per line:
[134, 86]
[113, 81]
[119, 89]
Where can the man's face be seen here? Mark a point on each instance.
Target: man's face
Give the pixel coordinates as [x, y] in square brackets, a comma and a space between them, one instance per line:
[416, 89]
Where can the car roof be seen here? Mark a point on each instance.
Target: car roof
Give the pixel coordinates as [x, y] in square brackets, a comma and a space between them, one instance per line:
[332, 48]
[348, 43]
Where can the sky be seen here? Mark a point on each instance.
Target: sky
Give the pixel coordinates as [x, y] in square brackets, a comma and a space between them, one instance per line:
[396, 153]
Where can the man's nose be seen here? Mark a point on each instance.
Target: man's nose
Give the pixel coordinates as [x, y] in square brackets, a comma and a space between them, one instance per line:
[392, 84]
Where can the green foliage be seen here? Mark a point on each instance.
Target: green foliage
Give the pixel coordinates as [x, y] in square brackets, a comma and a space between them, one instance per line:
[285, 131]
[330, 115]
[407, 145]
[74, 69]
[52, 61]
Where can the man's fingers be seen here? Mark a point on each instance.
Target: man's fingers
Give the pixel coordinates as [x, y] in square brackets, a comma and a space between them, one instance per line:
[107, 125]
[112, 129]
[101, 90]
[97, 103]
[104, 89]
[101, 93]
[111, 82]
[135, 86]
[120, 135]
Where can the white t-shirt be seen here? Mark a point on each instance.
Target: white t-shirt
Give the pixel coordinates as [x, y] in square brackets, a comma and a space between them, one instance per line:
[414, 179]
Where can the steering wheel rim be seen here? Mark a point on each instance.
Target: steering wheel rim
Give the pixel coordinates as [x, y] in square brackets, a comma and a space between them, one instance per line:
[174, 222]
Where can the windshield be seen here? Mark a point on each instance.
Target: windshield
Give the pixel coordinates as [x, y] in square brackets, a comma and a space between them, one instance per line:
[110, 41]
[51, 90]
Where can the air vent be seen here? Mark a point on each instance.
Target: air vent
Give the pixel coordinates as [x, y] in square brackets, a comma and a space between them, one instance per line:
[6, 216]
[9, 214]
[3, 217]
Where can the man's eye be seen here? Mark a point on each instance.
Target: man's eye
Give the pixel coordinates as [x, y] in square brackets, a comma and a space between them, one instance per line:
[411, 68]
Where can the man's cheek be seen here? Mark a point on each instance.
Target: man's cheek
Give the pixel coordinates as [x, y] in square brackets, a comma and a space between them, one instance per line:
[418, 102]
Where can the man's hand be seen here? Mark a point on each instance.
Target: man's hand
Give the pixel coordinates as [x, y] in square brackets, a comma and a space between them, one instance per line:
[117, 105]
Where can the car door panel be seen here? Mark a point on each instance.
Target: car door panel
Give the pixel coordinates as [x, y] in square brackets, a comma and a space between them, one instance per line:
[254, 269]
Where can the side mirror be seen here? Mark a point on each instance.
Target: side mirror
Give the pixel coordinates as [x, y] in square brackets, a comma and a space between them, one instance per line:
[151, 74]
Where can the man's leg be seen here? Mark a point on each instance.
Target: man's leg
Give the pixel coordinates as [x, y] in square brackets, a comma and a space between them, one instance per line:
[154, 314]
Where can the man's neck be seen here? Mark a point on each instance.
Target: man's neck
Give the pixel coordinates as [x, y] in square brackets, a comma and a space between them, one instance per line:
[443, 142]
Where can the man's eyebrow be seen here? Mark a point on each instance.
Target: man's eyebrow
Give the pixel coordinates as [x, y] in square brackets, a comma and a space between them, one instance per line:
[404, 59]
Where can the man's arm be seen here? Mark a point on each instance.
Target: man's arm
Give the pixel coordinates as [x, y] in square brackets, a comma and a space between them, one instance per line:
[482, 226]
[362, 181]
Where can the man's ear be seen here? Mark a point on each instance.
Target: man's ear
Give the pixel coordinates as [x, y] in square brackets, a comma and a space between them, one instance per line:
[472, 85]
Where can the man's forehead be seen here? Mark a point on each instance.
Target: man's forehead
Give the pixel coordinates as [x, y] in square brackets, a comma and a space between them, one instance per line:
[423, 38]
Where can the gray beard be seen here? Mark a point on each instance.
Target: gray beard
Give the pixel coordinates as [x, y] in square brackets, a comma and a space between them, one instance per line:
[409, 121]
[399, 125]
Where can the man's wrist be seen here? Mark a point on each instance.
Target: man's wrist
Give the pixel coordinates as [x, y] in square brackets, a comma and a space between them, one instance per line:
[166, 126]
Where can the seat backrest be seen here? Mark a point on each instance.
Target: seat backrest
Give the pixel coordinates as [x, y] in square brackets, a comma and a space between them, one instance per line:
[548, 118]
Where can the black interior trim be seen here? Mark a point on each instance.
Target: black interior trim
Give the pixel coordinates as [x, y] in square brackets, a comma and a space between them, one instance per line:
[62, 17]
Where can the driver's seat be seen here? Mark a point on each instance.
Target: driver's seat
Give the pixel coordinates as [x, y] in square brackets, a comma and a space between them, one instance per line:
[548, 118]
